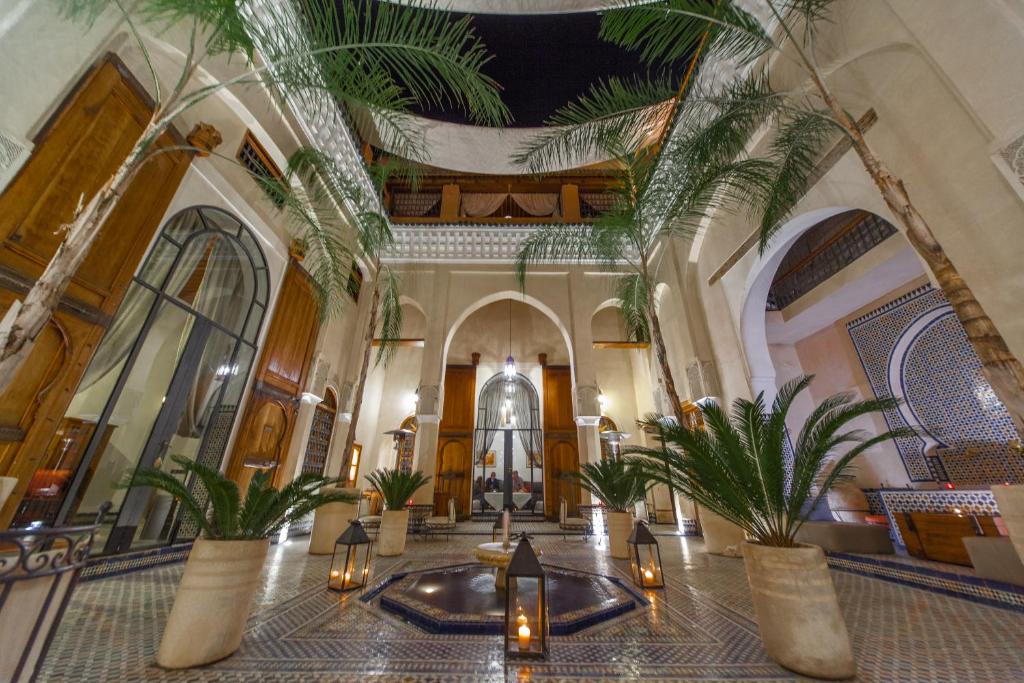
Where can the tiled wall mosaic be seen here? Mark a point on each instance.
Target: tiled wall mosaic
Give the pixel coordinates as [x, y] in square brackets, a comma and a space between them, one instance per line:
[914, 348]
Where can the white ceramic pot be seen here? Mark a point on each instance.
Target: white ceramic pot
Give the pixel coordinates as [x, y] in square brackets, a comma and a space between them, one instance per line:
[212, 604]
[620, 525]
[1010, 500]
[394, 525]
[797, 610]
[721, 537]
[331, 520]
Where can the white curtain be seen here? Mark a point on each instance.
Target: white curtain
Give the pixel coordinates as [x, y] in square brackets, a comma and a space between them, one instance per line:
[475, 204]
[537, 203]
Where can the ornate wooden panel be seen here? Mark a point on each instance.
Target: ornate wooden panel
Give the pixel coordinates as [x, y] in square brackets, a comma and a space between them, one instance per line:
[453, 476]
[319, 444]
[284, 365]
[561, 444]
[78, 151]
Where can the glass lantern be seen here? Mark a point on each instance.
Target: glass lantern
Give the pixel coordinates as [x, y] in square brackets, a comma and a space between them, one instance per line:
[350, 565]
[526, 605]
[645, 558]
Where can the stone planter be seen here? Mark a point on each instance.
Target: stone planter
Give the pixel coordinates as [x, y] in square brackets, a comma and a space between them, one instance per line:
[721, 537]
[394, 525]
[1010, 500]
[797, 610]
[212, 604]
[620, 525]
[329, 521]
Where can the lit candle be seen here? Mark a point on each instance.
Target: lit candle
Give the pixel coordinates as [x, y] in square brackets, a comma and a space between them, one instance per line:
[648, 575]
[521, 619]
[348, 576]
[524, 637]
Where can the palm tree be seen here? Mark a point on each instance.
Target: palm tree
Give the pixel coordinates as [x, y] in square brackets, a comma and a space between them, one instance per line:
[736, 467]
[665, 29]
[264, 512]
[376, 59]
[395, 486]
[652, 201]
[615, 482]
[340, 243]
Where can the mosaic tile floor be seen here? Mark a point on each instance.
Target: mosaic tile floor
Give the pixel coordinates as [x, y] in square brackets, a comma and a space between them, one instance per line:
[699, 629]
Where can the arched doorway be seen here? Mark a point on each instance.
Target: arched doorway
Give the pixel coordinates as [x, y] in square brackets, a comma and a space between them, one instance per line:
[318, 446]
[166, 380]
[509, 473]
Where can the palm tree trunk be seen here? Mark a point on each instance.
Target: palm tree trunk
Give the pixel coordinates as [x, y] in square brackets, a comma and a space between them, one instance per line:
[81, 233]
[1002, 369]
[364, 369]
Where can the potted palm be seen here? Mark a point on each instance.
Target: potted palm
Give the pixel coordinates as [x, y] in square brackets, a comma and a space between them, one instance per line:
[619, 486]
[736, 469]
[223, 570]
[396, 488]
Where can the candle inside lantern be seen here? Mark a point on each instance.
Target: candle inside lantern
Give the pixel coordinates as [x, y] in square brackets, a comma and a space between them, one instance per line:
[648, 575]
[335, 573]
[524, 637]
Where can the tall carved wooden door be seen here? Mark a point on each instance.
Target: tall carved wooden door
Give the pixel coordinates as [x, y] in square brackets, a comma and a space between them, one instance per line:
[266, 429]
[561, 444]
[76, 152]
[455, 440]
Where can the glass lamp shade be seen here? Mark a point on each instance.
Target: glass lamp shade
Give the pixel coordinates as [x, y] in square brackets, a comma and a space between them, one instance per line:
[645, 558]
[510, 367]
[526, 607]
[350, 564]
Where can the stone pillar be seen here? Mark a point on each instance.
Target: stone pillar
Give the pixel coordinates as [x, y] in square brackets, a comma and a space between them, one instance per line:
[336, 458]
[291, 465]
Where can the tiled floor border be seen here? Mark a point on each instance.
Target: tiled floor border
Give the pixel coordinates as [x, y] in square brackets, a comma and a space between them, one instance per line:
[986, 592]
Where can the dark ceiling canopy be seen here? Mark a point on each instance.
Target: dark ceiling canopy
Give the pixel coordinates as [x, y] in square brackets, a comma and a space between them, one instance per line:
[544, 61]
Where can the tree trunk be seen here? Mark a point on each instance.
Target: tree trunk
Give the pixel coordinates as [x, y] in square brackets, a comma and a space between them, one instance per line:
[666, 371]
[1002, 369]
[47, 291]
[670, 389]
[371, 328]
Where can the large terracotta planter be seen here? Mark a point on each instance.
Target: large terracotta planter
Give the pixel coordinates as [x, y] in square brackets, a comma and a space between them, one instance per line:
[721, 537]
[1010, 500]
[329, 521]
[212, 604]
[797, 610]
[394, 525]
[620, 525]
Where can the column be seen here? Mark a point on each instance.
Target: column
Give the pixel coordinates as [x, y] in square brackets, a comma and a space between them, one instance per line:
[571, 203]
[425, 456]
[450, 201]
[291, 465]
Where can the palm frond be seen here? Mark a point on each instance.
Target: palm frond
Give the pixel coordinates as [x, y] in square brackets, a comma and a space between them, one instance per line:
[736, 466]
[390, 317]
[169, 483]
[615, 482]
[668, 30]
[395, 486]
[633, 293]
[614, 114]
[794, 153]
[561, 242]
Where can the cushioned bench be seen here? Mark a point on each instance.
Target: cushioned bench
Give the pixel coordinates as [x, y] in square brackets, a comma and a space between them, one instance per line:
[847, 537]
[995, 558]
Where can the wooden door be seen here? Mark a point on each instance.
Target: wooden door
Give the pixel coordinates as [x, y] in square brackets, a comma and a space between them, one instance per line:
[453, 476]
[561, 443]
[76, 153]
[269, 420]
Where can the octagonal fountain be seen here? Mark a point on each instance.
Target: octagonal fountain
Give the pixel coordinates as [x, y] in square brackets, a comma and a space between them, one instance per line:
[462, 599]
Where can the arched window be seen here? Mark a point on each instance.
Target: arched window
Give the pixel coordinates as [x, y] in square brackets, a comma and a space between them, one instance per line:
[318, 446]
[165, 381]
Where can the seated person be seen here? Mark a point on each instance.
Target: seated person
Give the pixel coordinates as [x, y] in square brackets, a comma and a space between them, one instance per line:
[517, 481]
[478, 494]
[492, 484]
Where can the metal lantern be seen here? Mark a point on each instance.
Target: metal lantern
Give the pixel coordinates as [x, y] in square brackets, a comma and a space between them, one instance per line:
[526, 605]
[350, 564]
[645, 558]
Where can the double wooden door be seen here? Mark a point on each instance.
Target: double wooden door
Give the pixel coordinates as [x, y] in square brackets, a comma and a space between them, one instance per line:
[453, 478]
[561, 443]
[75, 154]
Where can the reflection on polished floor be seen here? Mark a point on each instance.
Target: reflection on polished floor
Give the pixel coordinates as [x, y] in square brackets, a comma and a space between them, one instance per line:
[699, 628]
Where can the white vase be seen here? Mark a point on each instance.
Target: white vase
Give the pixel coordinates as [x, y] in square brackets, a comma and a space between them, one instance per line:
[1010, 500]
[721, 537]
[394, 525]
[620, 525]
[329, 521]
[797, 610]
[212, 604]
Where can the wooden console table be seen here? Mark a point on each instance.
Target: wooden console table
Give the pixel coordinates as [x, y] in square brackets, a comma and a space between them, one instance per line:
[938, 535]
